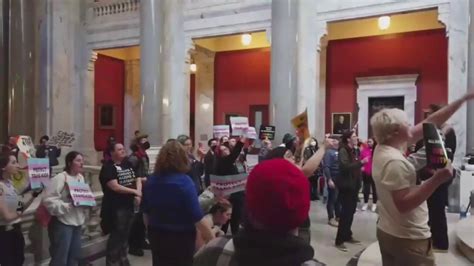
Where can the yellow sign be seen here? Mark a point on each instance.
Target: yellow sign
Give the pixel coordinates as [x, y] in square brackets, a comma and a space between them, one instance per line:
[300, 123]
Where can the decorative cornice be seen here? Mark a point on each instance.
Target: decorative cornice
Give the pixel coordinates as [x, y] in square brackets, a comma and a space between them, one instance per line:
[91, 62]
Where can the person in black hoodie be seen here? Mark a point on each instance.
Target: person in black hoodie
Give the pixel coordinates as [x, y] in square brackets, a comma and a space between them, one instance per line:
[277, 203]
[209, 161]
[348, 183]
[225, 165]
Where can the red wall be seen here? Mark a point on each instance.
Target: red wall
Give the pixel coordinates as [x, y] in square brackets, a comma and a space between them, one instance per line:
[241, 79]
[109, 89]
[424, 53]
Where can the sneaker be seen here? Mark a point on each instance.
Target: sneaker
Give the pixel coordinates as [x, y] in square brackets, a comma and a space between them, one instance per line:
[374, 207]
[333, 223]
[354, 241]
[136, 252]
[364, 207]
[342, 248]
[439, 250]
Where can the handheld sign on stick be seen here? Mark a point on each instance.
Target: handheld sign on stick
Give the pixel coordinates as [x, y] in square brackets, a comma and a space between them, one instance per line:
[436, 155]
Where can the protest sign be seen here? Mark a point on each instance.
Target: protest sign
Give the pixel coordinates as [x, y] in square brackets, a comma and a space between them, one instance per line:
[239, 125]
[227, 184]
[62, 139]
[26, 150]
[267, 132]
[81, 194]
[436, 155]
[38, 172]
[300, 123]
[220, 131]
[251, 133]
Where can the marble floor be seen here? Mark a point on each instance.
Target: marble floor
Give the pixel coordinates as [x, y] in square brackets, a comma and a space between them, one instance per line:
[323, 236]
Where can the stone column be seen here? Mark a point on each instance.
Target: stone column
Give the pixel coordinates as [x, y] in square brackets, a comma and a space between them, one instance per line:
[204, 113]
[175, 74]
[87, 146]
[165, 92]
[21, 93]
[4, 18]
[470, 106]
[132, 99]
[150, 75]
[295, 69]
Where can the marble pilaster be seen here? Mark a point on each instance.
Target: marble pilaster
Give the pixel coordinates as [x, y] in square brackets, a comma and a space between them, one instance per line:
[87, 141]
[295, 65]
[132, 99]
[470, 106]
[21, 69]
[204, 113]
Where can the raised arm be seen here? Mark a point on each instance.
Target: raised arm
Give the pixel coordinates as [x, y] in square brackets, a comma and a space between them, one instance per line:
[440, 117]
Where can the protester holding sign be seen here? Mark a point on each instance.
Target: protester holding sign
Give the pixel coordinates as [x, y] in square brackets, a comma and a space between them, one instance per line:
[68, 215]
[122, 194]
[12, 243]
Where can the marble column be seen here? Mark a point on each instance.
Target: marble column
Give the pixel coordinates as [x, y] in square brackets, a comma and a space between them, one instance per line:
[470, 106]
[132, 99]
[457, 26]
[4, 18]
[204, 113]
[151, 49]
[21, 67]
[175, 75]
[164, 72]
[87, 141]
[295, 65]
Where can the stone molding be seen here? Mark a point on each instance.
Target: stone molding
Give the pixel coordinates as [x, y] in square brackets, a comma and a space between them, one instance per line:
[385, 86]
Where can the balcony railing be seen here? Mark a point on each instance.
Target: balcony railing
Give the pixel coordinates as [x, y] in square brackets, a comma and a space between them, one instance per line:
[107, 8]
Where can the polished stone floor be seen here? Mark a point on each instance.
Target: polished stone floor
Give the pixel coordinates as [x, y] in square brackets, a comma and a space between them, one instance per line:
[323, 237]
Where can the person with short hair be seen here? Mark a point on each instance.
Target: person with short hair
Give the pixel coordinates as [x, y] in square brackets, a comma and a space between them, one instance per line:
[368, 181]
[65, 226]
[47, 151]
[209, 161]
[331, 172]
[402, 230]
[277, 203]
[122, 196]
[171, 208]
[12, 243]
[196, 166]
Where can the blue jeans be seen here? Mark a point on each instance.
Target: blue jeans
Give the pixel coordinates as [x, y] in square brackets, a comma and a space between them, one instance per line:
[333, 206]
[65, 243]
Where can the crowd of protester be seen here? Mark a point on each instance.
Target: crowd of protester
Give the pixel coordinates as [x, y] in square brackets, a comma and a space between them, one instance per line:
[161, 209]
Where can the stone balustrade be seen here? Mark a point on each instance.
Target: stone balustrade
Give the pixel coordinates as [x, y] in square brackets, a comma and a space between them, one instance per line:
[36, 237]
[106, 8]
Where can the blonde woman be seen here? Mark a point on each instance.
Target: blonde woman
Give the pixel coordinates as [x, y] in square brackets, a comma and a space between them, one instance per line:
[403, 232]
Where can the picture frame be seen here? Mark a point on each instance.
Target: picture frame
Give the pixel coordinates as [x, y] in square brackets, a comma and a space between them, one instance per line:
[107, 115]
[340, 125]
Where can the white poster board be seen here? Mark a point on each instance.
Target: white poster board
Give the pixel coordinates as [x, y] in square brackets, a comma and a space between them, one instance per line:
[220, 131]
[239, 125]
[252, 133]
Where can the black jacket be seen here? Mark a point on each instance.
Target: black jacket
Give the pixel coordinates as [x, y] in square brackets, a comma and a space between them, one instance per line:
[349, 169]
[209, 167]
[226, 165]
[197, 170]
[50, 152]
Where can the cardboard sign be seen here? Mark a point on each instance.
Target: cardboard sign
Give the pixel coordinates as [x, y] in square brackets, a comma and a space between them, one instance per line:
[239, 125]
[26, 149]
[221, 131]
[436, 155]
[300, 123]
[267, 132]
[226, 185]
[62, 139]
[81, 194]
[251, 133]
[38, 172]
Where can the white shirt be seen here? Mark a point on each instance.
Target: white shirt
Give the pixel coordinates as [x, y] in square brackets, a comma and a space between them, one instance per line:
[392, 171]
[58, 200]
[11, 200]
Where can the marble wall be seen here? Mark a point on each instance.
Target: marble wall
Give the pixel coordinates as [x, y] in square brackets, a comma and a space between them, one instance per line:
[3, 70]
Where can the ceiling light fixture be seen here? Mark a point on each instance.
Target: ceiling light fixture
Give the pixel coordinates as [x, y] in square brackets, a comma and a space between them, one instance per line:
[384, 22]
[246, 39]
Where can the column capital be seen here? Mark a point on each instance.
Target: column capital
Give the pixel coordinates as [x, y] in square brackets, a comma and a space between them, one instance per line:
[92, 58]
[321, 31]
[443, 16]
[189, 47]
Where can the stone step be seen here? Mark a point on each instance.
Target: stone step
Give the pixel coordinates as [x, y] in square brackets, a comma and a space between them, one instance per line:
[465, 237]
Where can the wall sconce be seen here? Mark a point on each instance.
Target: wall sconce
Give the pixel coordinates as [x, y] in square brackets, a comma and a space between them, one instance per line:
[166, 101]
[205, 106]
[384, 22]
[246, 39]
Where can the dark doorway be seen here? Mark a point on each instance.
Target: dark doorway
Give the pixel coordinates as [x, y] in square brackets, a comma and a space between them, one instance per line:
[378, 103]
